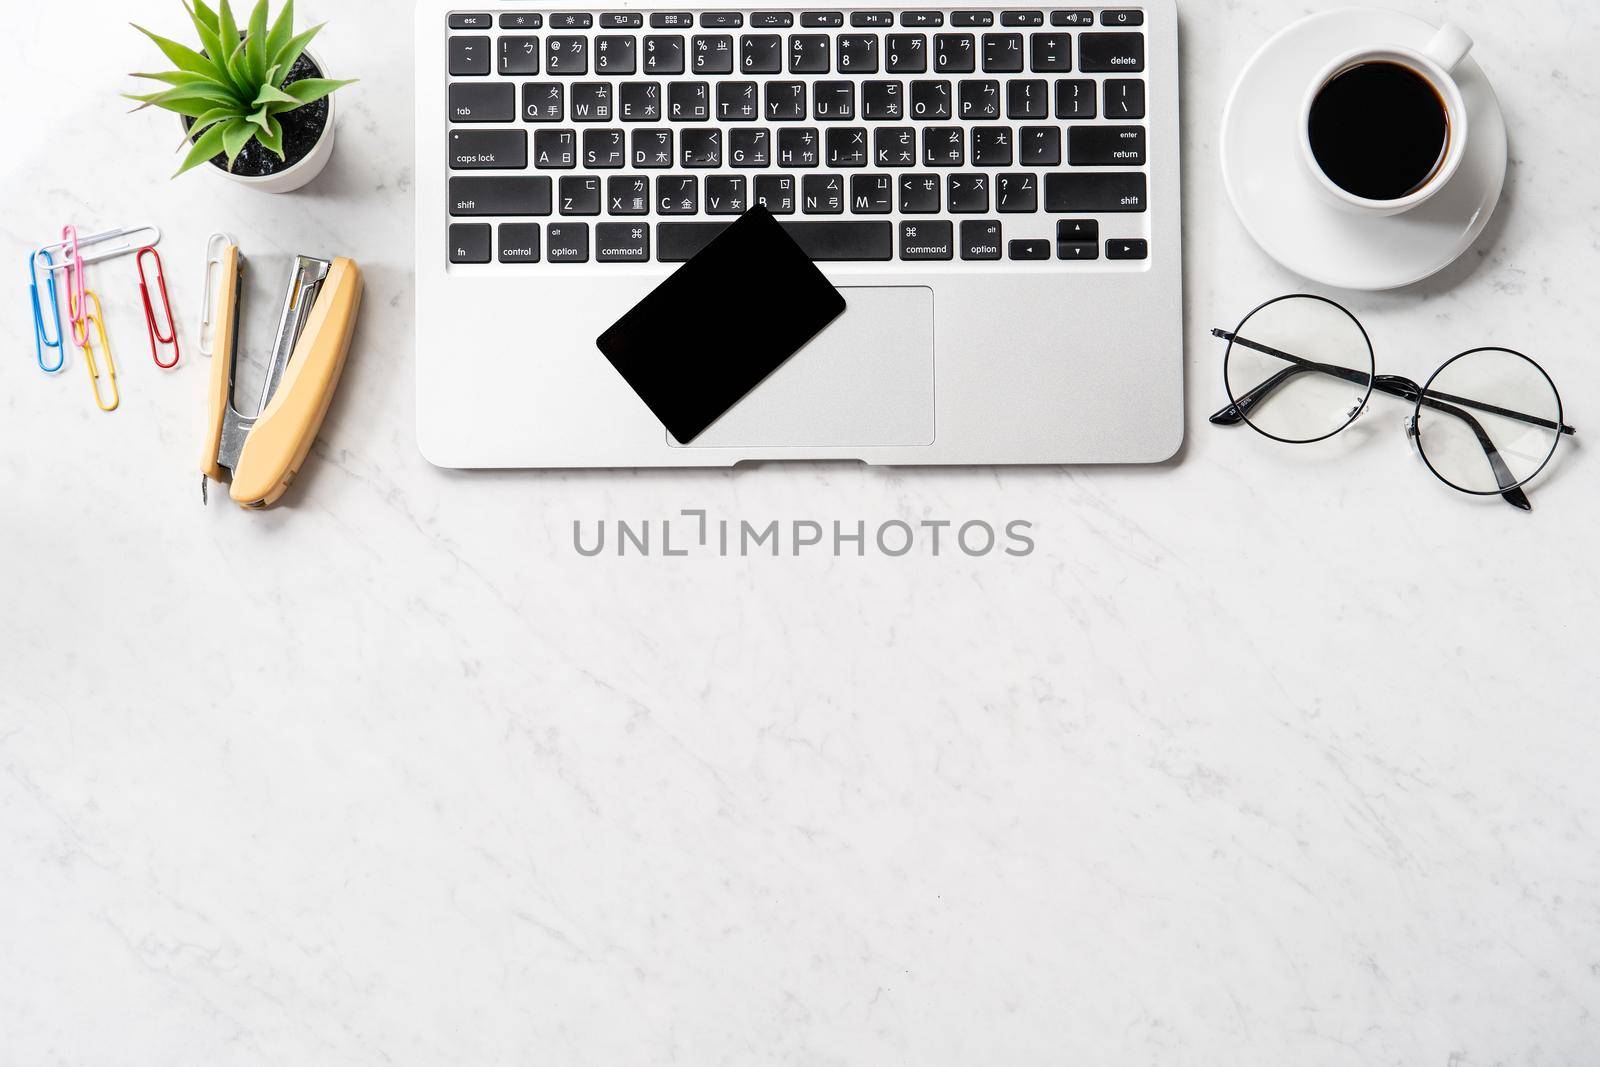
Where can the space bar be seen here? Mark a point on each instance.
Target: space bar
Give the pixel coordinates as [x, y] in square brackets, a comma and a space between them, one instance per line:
[822, 241]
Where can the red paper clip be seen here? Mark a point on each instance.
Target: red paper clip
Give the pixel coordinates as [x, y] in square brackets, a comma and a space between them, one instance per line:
[158, 335]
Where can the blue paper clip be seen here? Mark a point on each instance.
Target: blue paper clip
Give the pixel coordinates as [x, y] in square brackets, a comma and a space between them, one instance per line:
[41, 336]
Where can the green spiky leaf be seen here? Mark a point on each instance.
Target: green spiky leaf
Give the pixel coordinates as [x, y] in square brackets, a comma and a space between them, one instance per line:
[272, 138]
[236, 133]
[294, 48]
[256, 43]
[209, 95]
[310, 90]
[203, 15]
[282, 32]
[178, 77]
[204, 122]
[271, 94]
[205, 146]
[182, 56]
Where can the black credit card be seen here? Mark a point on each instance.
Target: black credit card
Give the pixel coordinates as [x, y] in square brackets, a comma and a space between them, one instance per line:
[721, 323]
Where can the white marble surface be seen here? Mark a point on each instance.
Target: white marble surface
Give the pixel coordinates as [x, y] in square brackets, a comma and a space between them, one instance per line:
[1268, 756]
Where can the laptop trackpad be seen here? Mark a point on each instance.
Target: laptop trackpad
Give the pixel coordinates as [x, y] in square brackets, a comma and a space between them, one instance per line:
[866, 380]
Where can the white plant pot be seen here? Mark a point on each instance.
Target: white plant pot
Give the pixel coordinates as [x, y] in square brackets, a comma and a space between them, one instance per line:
[302, 173]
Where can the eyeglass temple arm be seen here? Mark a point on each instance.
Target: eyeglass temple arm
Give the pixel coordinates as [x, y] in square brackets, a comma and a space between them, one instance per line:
[1393, 385]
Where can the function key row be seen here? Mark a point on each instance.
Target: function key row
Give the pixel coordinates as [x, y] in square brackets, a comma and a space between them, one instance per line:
[662, 20]
[829, 242]
[801, 53]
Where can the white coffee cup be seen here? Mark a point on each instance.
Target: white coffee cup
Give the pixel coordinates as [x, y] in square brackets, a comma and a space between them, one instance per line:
[1433, 62]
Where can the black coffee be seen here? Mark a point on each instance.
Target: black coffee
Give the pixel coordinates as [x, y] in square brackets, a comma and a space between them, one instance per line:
[1379, 130]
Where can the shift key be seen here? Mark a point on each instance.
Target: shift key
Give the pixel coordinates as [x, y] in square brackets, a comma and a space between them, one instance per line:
[488, 149]
[1089, 191]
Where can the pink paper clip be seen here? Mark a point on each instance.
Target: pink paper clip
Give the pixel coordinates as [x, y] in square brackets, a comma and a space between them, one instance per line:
[77, 307]
[159, 335]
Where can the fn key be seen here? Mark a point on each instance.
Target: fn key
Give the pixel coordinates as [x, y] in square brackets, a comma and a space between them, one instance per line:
[471, 242]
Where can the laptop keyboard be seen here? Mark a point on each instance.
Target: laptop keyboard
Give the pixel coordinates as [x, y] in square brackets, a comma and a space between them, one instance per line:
[964, 135]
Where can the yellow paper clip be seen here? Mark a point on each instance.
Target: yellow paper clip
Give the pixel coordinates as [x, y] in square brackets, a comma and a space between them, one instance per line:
[87, 345]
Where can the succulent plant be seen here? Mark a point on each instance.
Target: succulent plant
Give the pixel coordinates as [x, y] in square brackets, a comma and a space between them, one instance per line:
[233, 88]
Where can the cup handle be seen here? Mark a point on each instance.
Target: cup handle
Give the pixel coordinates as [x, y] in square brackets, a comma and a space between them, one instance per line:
[1448, 47]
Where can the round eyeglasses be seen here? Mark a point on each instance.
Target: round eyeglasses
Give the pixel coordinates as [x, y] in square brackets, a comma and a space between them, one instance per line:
[1300, 368]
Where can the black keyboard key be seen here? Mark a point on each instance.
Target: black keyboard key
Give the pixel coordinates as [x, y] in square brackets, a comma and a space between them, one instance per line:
[927, 240]
[858, 53]
[1128, 248]
[1027, 99]
[471, 242]
[955, 53]
[919, 194]
[967, 194]
[750, 148]
[823, 241]
[761, 53]
[627, 195]
[522, 194]
[522, 20]
[571, 20]
[847, 146]
[1002, 53]
[777, 193]
[567, 242]
[488, 149]
[565, 54]
[483, 102]
[543, 101]
[1075, 98]
[519, 55]
[605, 149]
[652, 149]
[943, 146]
[871, 194]
[930, 100]
[663, 54]
[972, 18]
[1105, 146]
[822, 194]
[1016, 193]
[1051, 53]
[591, 102]
[905, 53]
[798, 146]
[671, 20]
[721, 20]
[980, 239]
[738, 102]
[785, 101]
[921, 19]
[700, 149]
[1040, 146]
[689, 101]
[1101, 52]
[725, 195]
[1077, 250]
[579, 194]
[1078, 230]
[978, 99]
[470, 22]
[555, 149]
[808, 53]
[822, 18]
[1128, 17]
[712, 54]
[1029, 250]
[469, 58]
[833, 101]
[1108, 191]
[621, 20]
[1124, 98]
[519, 242]
[1022, 18]
[991, 146]
[871, 18]
[882, 101]
[639, 101]
[615, 54]
[894, 146]
[1076, 17]
[621, 242]
[677, 195]
[771, 20]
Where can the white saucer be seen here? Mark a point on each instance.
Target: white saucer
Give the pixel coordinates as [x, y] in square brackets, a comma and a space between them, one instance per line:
[1281, 208]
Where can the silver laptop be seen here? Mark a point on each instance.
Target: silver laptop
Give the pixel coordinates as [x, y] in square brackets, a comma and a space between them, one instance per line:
[994, 191]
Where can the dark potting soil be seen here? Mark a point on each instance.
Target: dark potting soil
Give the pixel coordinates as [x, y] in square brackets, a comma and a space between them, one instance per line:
[302, 129]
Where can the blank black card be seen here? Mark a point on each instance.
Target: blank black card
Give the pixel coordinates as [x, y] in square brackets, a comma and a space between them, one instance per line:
[721, 323]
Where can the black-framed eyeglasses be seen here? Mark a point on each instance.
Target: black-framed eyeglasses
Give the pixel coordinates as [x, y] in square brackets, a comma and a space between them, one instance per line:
[1300, 368]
